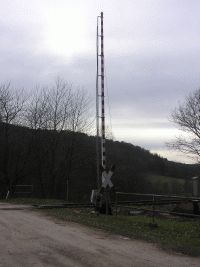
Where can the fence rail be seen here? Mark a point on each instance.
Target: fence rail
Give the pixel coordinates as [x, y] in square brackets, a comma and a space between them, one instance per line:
[155, 200]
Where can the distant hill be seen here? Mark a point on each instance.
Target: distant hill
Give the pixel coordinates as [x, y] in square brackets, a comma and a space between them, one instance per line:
[52, 160]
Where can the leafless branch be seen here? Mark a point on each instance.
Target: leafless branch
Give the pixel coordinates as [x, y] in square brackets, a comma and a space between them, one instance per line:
[11, 104]
[187, 118]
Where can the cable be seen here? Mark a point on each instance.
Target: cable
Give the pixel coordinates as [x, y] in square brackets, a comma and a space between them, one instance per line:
[108, 104]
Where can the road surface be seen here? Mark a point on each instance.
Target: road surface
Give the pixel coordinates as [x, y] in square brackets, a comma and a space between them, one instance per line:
[30, 239]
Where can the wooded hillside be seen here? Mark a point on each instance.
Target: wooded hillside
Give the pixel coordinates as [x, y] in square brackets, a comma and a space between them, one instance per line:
[48, 159]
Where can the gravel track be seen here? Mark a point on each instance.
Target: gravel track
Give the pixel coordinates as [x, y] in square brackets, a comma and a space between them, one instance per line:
[28, 239]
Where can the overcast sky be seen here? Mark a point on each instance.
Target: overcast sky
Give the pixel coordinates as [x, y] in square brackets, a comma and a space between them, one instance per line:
[152, 50]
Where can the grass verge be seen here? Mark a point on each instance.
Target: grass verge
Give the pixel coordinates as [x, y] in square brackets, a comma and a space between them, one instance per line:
[33, 201]
[172, 234]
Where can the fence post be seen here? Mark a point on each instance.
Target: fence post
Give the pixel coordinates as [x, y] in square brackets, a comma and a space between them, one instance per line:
[116, 203]
[153, 209]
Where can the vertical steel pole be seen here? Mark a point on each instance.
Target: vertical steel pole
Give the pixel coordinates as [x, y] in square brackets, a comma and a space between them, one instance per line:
[103, 143]
[103, 139]
[97, 105]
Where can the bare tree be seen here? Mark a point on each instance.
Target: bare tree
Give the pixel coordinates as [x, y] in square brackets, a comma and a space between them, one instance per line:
[63, 110]
[79, 117]
[12, 103]
[59, 105]
[58, 110]
[36, 117]
[79, 120]
[37, 109]
[187, 118]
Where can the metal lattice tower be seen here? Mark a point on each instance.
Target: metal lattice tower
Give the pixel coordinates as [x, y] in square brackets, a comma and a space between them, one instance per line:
[100, 93]
[103, 140]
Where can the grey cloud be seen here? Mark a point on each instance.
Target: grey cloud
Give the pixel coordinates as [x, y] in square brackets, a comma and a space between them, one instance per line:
[151, 54]
[141, 124]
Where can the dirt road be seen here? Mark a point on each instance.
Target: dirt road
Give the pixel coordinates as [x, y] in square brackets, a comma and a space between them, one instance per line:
[30, 239]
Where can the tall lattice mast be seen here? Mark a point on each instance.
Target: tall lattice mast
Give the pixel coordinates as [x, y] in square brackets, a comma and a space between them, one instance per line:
[103, 148]
[97, 106]
[100, 94]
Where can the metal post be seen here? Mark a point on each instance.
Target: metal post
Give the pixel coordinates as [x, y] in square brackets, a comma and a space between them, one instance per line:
[67, 190]
[116, 200]
[153, 215]
[97, 107]
[100, 96]
[103, 141]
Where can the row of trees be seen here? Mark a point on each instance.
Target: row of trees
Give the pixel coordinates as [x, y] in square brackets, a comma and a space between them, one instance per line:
[57, 109]
[41, 144]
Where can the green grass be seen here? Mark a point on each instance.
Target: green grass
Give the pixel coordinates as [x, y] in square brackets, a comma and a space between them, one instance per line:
[179, 235]
[33, 201]
[168, 184]
[165, 179]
